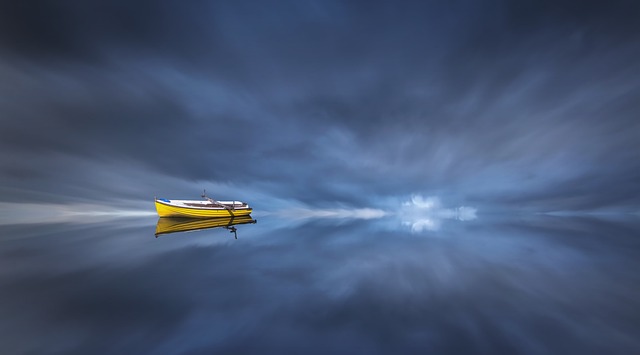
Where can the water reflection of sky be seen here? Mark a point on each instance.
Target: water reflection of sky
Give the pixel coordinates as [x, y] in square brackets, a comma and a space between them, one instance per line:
[548, 284]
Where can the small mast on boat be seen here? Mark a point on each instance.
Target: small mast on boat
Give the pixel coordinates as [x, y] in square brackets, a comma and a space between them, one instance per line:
[216, 203]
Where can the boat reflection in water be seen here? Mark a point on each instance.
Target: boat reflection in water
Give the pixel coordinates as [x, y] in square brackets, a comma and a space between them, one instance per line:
[167, 225]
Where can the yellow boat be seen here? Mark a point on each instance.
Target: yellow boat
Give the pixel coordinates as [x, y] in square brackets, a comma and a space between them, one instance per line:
[174, 225]
[201, 209]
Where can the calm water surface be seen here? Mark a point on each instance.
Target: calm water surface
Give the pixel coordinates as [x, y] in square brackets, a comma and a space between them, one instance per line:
[512, 286]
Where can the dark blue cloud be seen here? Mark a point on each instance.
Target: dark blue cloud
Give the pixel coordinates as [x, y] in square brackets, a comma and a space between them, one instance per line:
[529, 105]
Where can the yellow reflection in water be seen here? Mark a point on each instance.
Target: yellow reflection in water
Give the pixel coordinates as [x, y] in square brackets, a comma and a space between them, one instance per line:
[168, 225]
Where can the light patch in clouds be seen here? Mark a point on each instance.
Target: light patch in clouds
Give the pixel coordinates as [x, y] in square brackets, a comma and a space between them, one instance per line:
[335, 213]
[427, 213]
[27, 213]
[419, 213]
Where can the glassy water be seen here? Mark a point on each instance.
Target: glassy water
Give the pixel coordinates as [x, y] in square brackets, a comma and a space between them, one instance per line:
[322, 286]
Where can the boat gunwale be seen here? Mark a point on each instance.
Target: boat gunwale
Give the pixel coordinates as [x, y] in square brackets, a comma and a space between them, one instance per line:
[204, 208]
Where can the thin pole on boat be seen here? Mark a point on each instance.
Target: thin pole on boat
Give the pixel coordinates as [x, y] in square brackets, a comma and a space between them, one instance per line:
[204, 195]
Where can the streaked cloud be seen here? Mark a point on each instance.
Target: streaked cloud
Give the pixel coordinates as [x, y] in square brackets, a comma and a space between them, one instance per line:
[489, 104]
[34, 213]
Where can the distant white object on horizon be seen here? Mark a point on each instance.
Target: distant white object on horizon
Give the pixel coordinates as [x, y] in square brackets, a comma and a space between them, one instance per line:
[422, 213]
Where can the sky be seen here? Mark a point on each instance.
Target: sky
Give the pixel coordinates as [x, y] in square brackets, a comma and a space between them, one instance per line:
[524, 106]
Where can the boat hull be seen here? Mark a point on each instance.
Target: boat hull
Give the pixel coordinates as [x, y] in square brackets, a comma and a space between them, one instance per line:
[167, 210]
